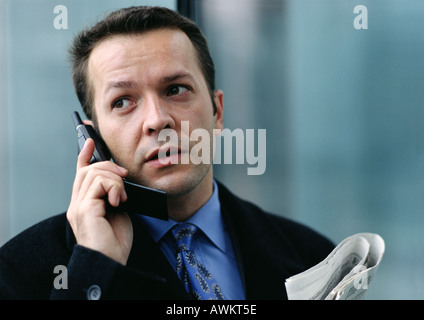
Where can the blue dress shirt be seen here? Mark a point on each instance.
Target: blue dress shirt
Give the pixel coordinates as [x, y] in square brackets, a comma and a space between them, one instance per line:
[214, 249]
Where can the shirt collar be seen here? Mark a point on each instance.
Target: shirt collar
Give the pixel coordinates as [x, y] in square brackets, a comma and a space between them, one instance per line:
[208, 218]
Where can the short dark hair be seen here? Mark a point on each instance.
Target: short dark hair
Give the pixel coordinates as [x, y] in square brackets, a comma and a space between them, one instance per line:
[127, 21]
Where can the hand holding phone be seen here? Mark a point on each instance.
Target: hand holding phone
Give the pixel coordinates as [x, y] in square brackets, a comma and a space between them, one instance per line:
[142, 200]
[100, 189]
[94, 228]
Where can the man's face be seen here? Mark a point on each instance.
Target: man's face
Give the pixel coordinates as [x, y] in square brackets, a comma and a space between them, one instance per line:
[143, 84]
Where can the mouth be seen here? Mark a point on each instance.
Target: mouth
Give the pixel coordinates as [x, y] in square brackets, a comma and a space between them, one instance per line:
[164, 156]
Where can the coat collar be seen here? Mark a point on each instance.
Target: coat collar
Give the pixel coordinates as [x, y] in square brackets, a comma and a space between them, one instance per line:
[259, 253]
[146, 256]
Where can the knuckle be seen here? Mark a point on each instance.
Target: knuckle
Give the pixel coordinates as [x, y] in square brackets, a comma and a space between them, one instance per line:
[82, 171]
[69, 215]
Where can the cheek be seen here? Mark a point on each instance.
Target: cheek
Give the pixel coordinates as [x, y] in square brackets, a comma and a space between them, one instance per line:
[121, 152]
[123, 143]
[113, 138]
[202, 117]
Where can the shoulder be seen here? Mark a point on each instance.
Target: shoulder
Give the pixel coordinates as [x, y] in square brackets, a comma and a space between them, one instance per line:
[311, 245]
[277, 231]
[42, 241]
[29, 259]
[40, 235]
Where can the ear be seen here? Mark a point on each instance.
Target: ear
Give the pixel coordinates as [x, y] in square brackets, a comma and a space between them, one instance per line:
[89, 122]
[218, 98]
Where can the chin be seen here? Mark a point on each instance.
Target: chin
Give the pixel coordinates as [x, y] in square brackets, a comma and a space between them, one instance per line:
[178, 182]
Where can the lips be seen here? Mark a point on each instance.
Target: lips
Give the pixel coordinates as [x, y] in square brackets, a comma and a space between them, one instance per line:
[162, 152]
[164, 156]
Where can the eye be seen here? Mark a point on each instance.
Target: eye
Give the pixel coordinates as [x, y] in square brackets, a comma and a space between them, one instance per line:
[176, 90]
[122, 103]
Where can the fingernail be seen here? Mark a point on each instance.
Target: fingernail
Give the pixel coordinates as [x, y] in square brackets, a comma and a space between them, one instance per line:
[123, 170]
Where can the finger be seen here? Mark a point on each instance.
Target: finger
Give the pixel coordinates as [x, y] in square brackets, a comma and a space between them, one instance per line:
[105, 166]
[84, 158]
[85, 154]
[96, 178]
[115, 194]
[102, 186]
[86, 175]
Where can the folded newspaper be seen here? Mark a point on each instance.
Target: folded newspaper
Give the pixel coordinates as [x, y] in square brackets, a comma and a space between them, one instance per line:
[344, 275]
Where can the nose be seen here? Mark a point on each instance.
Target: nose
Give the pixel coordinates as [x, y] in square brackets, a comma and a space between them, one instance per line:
[156, 116]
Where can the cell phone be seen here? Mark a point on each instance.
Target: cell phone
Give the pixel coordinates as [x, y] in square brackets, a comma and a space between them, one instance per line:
[141, 200]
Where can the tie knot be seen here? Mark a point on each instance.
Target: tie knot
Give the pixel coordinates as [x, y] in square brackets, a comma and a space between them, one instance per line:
[183, 234]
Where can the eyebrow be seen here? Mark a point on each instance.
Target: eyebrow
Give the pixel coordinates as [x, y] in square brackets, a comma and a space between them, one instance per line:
[132, 84]
[177, 76]
[120, 85]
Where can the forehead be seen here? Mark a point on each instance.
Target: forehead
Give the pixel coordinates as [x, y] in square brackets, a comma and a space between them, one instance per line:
[142, 55]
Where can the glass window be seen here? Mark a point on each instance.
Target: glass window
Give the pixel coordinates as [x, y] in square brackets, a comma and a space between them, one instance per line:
[38, 143]
[341, 96]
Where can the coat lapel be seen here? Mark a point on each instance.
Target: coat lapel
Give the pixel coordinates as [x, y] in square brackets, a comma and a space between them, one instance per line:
[262, 262]
[146, 256]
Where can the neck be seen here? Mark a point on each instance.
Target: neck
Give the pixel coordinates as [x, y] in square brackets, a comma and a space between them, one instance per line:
[182, 207]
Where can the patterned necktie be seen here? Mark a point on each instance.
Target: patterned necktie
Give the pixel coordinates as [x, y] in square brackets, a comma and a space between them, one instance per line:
[197, 280]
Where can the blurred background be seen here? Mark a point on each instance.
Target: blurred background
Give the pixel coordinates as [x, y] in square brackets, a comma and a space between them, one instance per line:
[342, 108]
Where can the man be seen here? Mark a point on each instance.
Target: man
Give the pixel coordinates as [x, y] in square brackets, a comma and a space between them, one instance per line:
[139, 71]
